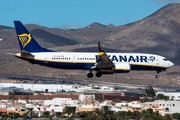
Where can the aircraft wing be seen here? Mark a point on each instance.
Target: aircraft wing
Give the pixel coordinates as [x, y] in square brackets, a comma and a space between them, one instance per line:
[103, 61]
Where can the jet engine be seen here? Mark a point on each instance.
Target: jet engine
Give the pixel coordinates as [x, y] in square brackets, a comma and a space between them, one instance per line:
[122, 67]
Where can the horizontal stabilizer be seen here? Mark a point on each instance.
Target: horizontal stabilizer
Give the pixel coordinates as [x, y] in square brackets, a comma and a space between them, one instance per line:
[9, 53]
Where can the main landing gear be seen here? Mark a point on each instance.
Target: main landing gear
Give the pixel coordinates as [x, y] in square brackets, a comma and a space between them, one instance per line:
[90, 75]
[98, 74]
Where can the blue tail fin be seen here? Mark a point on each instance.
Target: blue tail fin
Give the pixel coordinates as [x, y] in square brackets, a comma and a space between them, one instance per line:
[26, 41]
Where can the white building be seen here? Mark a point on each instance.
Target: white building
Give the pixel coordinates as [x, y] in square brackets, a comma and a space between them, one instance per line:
[29, 105]
[86, 97]
[72, 103]
[56, 101]
[135, 104]
[172, 95]
[116, 109]
[56, 108]
[106, 88]
[39, 110]
[40, 87]
[169, 106]
[22, 101]
[3, 106]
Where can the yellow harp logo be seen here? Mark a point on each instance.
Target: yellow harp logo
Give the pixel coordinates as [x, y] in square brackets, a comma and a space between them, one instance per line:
[25, 39]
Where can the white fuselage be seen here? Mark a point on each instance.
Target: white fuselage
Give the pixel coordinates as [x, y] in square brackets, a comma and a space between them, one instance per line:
[84, 60]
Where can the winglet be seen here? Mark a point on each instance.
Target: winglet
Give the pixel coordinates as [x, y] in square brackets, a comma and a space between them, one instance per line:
[101, 51]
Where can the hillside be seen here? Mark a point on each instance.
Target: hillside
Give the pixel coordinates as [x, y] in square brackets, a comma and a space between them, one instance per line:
[158, 33]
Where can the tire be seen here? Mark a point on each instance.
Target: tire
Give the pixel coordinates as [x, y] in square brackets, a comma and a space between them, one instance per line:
[157, 76]
[89, 75]
[98, 74]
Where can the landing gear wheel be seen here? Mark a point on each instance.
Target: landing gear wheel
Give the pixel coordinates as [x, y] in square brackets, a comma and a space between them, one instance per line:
[98, 74]
[90, 75]
[157, 76]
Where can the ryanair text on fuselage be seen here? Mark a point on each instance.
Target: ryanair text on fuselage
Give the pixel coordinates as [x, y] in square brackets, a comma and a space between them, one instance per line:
[130, 58]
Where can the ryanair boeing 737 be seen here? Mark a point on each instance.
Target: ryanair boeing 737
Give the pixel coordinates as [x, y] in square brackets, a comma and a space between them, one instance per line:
[102, 63]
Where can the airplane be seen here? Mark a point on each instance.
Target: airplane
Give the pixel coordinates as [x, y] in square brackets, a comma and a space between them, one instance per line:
[101, 62]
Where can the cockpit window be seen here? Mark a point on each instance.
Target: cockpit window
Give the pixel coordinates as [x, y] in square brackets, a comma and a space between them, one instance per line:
[165, 59]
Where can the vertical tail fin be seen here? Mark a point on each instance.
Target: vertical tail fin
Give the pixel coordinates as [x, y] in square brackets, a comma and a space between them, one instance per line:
[26, 41]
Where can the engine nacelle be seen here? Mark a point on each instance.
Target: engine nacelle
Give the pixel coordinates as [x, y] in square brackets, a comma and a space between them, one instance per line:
[122, 67]
[118, 68]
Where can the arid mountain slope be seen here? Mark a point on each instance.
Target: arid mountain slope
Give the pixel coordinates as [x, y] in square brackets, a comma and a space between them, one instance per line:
[159, 33]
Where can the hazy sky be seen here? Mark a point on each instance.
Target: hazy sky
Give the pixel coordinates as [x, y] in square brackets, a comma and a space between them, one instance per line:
[77, 13]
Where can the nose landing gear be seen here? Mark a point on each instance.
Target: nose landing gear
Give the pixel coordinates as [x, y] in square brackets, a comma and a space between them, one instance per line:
[157, 76]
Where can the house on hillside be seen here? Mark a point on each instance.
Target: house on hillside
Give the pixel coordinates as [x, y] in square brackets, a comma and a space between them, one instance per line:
[87, 107]
[3, 109]
[169, 106]
[133, 106]
[56, 101]
[19, 110]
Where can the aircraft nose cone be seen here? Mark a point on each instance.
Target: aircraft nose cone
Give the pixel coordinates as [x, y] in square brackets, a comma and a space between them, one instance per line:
[171, 64]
